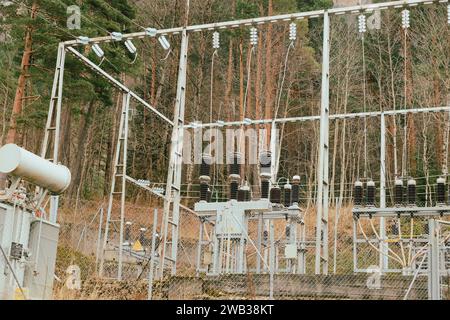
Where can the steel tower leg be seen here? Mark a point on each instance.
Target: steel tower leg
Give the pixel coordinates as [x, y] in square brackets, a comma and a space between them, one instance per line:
[321, 263]
[169, 248]
[118, 185]
[52, 127]
[434, 277]
[383, 258]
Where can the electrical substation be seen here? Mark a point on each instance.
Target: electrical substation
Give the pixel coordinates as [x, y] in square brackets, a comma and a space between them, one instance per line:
[248, 223]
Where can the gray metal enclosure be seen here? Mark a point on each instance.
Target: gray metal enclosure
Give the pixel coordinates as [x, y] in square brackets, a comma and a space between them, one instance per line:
[27, 260]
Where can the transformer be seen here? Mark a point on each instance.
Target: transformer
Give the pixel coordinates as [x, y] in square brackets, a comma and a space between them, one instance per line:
[28, 242]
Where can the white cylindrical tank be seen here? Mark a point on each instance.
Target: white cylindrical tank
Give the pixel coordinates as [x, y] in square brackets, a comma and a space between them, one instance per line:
[21, 163]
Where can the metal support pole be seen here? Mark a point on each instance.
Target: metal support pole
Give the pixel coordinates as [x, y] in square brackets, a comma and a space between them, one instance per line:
[302, 252]
[216, 252]
[199, 247]
[53, 124]
[274, 153]
[172, 198]
[230, 246]
[383, 257]
[293, 240]
[54, 112]
[434, 277]
[119, 171]
[274, 149]
[126, 102]
[355, 246]
[321, 263]
[99, 238]
[272, 257]
[259, 242]
[336, 223]
[54, 203]
[152, 255]
[242, 244]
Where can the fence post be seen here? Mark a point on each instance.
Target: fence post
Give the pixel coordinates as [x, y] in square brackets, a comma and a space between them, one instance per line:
[99, 238]
[152, 258]
[434, 285]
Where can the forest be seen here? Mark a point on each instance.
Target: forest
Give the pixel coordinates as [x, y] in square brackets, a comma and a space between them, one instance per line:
[387, 69]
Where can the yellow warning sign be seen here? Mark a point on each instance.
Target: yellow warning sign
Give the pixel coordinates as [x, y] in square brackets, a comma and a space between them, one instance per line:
[19, 294]
[137, 246]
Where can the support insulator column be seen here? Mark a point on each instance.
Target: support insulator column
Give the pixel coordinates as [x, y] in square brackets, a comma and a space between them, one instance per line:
[358, 193]
[412, 192]
[234, 186]
[265, 162]
[204, 187]
[244, 193]
[265, 186]
[275, 194]
[371, 193]
[235, 175]
[205, 179]
[287, 194]
[295, 190]
[440, 191]
[208, 195]
[398, 192]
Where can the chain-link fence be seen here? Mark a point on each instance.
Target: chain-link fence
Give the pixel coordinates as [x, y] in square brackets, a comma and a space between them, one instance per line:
[366, 260]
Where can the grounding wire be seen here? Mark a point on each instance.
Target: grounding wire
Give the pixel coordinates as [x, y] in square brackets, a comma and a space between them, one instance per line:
[291, 45]
[379, 239]
[373, 246]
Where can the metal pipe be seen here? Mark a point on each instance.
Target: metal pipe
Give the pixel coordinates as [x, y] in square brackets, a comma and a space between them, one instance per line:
[384, 261]
[321, 252]
[434, 277]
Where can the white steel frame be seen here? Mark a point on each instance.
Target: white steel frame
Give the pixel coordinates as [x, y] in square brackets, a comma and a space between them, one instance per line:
[172, 199]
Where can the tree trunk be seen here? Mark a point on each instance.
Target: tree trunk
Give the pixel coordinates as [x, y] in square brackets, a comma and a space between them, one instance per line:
[111, 145]
[269, 76]
[83, 133]
[18, 98]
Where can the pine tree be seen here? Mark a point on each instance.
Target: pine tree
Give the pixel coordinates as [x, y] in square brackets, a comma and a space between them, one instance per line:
[36, 29]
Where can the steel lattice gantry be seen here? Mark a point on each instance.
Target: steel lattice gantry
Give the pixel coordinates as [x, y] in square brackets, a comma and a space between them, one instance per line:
[172, 197]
